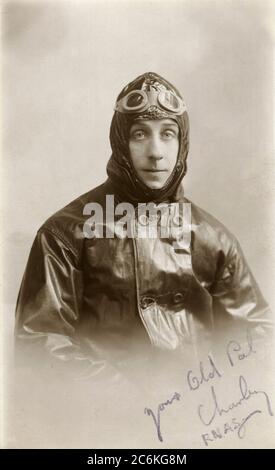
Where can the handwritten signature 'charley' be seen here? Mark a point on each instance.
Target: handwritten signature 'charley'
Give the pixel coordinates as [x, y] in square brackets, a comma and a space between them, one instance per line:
[207, 418]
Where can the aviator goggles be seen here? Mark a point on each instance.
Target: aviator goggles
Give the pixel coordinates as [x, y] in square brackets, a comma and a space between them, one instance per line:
[138, 101]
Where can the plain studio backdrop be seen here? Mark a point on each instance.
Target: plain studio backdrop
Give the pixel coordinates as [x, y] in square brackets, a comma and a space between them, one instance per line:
[64, 63]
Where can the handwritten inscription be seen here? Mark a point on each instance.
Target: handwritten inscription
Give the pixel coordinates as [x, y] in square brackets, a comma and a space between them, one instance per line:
[206, 373]
[160, 409]
[214, 410]
[235, 350]
[219, 432]
[218, 410]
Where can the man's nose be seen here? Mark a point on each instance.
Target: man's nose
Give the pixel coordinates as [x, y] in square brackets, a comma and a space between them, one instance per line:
[155, 148]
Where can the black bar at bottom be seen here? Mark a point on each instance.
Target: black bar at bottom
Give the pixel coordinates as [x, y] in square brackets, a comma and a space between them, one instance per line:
[117, 458]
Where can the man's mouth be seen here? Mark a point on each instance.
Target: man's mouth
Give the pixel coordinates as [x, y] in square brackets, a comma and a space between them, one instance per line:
[153, 170]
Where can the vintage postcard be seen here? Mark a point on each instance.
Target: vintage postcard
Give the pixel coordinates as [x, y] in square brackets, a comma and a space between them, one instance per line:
[137, 224]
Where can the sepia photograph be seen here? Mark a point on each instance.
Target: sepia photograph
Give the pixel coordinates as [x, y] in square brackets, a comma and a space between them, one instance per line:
[137, 207]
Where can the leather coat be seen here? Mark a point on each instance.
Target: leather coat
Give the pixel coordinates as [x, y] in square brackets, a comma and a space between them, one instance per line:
[97, 301]
[102, 298]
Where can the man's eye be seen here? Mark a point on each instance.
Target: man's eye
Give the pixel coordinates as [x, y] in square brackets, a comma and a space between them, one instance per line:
[168, 134]
[138, 135]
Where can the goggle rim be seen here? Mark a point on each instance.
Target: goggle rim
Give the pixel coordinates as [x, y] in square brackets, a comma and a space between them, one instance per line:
[132, 109]
[122, 103]
[170, 108]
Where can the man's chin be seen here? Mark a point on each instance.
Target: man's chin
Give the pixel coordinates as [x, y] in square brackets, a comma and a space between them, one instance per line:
[155, 184]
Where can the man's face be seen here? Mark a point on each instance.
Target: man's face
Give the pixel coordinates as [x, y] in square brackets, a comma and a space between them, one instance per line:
[154, 146]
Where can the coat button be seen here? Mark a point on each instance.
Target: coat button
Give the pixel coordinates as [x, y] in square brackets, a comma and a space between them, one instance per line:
[178, 297]
[146, 301]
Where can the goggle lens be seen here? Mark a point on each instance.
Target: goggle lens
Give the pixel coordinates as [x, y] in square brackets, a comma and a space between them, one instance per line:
[169, 101]
[135, 100]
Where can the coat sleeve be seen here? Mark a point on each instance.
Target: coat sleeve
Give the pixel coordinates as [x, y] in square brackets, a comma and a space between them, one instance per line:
[49, 308]
[237, 299]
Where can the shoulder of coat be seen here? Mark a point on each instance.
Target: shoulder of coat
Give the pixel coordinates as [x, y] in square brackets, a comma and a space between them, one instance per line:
[67, 223]
[209, 228]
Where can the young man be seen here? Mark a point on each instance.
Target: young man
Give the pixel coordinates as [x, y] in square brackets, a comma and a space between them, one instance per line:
[95, 297]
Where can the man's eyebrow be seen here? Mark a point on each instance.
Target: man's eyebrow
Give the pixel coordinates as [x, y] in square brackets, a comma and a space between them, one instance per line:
[139, 124]
[171, 125]
[164, 124]
[174, 124]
